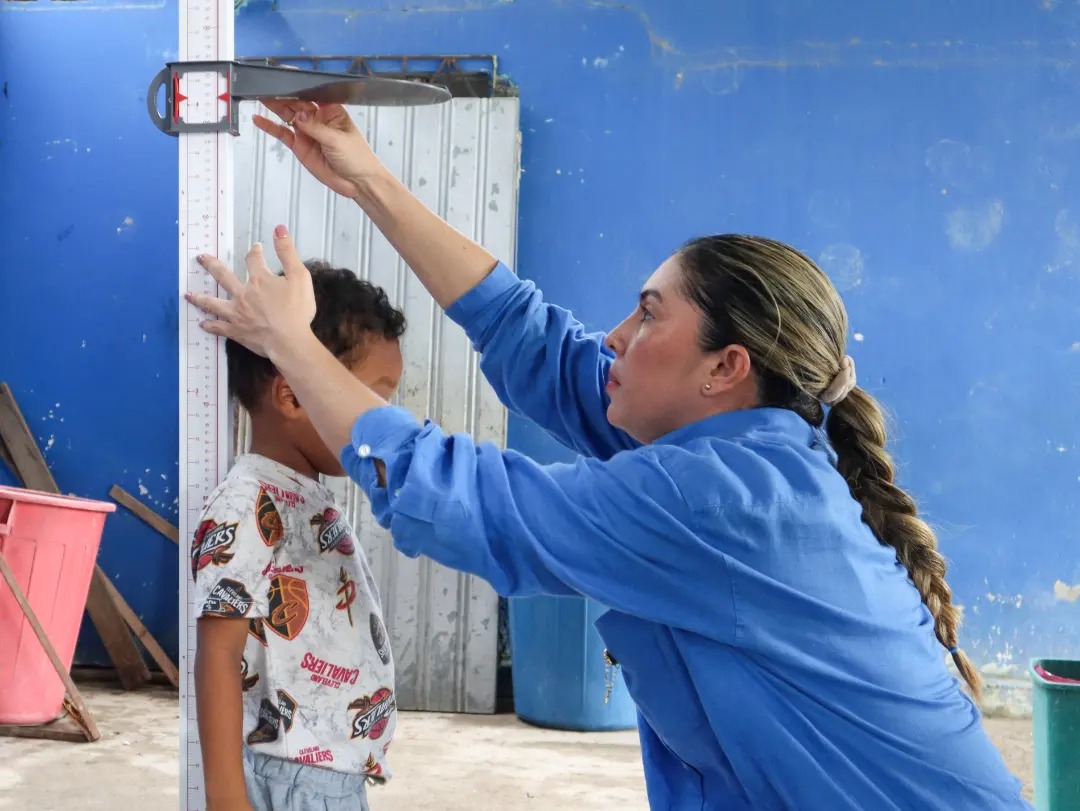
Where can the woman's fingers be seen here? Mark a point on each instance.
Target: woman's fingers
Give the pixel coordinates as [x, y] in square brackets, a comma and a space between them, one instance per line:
[288, 109]
[336, 116]
[219, 308]
[319, 131]
[255, 262]
[274, 130]
[222, 275]
[219, 328]
[286, 253]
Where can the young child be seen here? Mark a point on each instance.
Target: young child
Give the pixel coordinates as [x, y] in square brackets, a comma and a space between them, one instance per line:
[293, 675]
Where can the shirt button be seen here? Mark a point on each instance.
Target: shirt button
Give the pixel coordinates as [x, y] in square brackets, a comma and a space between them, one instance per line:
[364, 451]
[397, 493]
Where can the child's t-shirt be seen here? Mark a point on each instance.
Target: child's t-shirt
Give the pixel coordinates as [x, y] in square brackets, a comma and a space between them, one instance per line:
[273, 547]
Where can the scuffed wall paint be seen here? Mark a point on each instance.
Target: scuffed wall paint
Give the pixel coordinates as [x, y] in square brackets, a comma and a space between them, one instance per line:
[88, 311]
[1063, 591]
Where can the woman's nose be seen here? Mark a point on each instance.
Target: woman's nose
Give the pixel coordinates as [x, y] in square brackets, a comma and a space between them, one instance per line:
[612, 342]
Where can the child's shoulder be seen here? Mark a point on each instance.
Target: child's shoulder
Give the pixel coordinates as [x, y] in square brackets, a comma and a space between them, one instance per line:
[253, 481]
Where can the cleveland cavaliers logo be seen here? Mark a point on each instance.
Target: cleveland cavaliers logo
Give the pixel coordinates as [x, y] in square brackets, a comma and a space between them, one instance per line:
[378, 638]
[257, 629]
[372, 714]
[268, 519]
[228, 599]
[272, 717]
[210, 544]
[346, 594]
[247, 678]
[289, 606]
[286, 709]
[333, 532]
[372, 767]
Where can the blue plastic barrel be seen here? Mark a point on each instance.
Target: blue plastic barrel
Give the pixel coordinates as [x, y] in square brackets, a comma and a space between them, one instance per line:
[558, 668]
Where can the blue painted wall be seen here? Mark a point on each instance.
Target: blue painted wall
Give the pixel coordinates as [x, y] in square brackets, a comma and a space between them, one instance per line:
[926, 155]
[88, 312]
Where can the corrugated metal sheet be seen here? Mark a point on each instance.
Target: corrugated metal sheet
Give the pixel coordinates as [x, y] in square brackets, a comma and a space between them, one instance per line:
[462, 160]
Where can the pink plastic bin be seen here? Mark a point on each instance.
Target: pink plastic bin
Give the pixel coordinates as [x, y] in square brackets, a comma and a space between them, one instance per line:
[50, 542]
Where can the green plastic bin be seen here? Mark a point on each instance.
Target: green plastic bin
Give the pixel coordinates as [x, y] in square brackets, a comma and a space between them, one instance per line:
[1056, 725]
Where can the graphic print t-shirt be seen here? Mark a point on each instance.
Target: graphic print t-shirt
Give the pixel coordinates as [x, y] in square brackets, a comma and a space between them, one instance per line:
[273, 547]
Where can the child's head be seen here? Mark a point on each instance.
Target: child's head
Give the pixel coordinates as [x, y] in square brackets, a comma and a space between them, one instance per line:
[356, 322]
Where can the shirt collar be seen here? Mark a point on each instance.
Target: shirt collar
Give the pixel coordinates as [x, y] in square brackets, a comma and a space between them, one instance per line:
[745, 422]
[282, 475]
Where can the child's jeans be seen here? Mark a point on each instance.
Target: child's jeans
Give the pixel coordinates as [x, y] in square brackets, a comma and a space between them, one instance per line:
[274, 784]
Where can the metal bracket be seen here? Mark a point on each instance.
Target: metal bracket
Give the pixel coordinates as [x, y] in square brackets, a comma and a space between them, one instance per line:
[247, 82]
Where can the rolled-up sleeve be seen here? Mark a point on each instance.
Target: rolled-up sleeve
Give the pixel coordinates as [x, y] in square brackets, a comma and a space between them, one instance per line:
[541, 361]
[615, 531]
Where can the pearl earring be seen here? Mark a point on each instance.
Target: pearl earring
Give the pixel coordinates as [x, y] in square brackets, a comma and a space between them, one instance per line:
[708, 386]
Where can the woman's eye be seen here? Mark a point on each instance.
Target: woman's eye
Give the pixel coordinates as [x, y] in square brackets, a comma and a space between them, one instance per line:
[646, 315]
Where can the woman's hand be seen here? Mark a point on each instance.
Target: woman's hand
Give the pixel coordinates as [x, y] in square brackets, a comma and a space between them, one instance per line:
[267, 312]
[326, 141]
[334, 151]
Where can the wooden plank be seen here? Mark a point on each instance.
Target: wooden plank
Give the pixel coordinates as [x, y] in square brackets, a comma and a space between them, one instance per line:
[152, 647]
[31, 467]
[103, 675]
[26, 457]
[109, 622]
[5, 457]
[81, 713]
[62, 729]
[125, 499]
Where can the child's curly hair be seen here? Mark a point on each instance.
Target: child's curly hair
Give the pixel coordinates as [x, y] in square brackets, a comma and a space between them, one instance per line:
[348, 312]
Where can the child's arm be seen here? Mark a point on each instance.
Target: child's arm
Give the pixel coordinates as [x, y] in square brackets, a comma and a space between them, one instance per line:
[219, 699]
[230, 549]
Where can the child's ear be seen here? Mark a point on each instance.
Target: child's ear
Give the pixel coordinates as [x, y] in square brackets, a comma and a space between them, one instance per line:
[283, 399]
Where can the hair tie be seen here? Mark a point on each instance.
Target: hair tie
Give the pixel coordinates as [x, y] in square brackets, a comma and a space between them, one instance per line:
[954, 651]
[841, 384]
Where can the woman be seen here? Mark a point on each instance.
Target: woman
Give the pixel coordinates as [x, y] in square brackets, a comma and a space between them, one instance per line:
[779, 611]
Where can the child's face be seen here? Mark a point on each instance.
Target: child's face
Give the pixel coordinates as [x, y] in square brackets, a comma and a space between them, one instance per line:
[380, 369]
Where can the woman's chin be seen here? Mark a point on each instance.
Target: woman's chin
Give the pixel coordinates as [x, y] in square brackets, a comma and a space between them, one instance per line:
[614, 414]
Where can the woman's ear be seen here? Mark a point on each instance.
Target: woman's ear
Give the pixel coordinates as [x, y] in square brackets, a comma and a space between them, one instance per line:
[728, 369]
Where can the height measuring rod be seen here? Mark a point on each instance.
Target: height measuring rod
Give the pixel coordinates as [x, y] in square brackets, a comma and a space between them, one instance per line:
[206, 227]
[202, 95]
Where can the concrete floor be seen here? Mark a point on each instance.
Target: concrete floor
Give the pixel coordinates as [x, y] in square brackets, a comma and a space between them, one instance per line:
[467, 762]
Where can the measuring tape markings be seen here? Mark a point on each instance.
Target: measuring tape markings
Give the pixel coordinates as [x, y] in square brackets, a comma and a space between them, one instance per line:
[206, 227]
